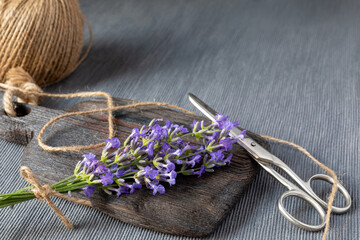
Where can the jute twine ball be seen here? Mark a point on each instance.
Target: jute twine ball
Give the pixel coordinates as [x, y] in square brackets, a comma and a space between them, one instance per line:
[40, 42]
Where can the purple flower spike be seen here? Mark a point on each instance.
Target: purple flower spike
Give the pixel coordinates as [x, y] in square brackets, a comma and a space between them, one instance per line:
[119, 172]
[135, 133]
[158, 133]
[168, 124]
[215, 137]
[171, 181]
[228, 125]
[113, 167]
[173, 174]
[150, 173]
[242, 135]
[172, 178]
[158, 189]
[228, 159]
[155, 120]
[89, 156]
[170, 166]
[101, 169]
[150, 149]
[121, 190]
[220, 117]
[227, 143]
[106, 179]
[179, 128]
[178, 152]
[194, 159]
[201, 171]
[192, 125]
[89, 161]
[134, 186]
[112, 143]
[89, 190]
[217, 156]
[165, 147]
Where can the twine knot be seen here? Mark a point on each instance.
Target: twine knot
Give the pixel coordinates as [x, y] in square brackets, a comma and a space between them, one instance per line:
[43, 193]
[19, 78]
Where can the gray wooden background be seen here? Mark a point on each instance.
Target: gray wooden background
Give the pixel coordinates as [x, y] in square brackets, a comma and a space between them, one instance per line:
[288, 69]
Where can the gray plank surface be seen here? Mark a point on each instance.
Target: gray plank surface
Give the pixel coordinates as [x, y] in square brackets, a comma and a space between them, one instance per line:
[288, 69]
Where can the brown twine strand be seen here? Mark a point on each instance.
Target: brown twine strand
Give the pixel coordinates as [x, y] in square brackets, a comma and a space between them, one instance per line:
[18, 77]
[110, 108]
[43, 193]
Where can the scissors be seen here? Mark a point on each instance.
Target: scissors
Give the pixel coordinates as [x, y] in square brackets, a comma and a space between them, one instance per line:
[266, 159]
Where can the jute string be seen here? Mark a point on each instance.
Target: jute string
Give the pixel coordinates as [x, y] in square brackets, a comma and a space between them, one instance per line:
[23, 93]
[43, 193]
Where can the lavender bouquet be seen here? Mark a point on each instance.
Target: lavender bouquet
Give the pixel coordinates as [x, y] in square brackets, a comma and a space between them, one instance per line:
[152, 156]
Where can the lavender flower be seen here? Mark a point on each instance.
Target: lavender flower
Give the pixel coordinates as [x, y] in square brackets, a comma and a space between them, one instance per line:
[158, 189]
[220, 118]
[101, 169]
[158, 153]
[150, 173]
[106, 179]
[217, 156]
[227, 143]
[154, 156]
[120, 172]
[89, 190]
[201, 171]
[242, 134]
[112, 143]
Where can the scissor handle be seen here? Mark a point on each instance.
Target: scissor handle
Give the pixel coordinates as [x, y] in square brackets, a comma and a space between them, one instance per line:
[307, 198]
[341, 189]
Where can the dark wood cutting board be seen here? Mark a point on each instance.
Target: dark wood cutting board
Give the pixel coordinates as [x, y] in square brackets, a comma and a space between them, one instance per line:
[193, 207]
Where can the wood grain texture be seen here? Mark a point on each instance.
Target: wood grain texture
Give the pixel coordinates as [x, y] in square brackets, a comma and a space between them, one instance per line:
[193, 207]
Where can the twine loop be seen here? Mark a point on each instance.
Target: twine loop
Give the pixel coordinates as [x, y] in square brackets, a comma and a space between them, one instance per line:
[19, 78]
[40, 192]
[43, 193]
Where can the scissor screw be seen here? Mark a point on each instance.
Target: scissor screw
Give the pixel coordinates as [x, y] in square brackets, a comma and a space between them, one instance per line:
[253, 144]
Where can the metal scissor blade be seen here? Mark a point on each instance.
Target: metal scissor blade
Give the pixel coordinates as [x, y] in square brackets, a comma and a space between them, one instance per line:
[203, 107]
[255, 150]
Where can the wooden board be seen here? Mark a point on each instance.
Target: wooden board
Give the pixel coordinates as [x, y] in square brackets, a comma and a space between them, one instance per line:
[193, 207]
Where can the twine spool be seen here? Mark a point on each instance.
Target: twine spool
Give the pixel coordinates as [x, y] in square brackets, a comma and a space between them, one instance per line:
[40, 43]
